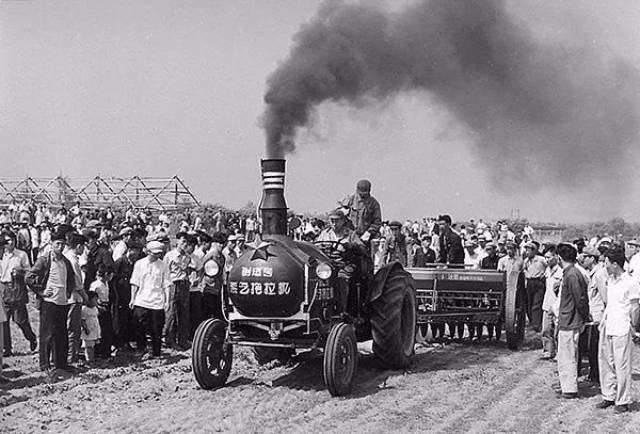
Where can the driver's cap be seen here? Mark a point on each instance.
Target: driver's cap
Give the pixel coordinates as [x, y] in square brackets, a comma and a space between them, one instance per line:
[338, 213]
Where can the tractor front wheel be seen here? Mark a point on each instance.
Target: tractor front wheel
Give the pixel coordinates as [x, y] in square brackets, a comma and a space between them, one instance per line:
[340, 359]
[211, 354]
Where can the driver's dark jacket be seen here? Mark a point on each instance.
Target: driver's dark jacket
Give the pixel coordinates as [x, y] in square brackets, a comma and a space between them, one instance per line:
[353, 246]
[364, 214]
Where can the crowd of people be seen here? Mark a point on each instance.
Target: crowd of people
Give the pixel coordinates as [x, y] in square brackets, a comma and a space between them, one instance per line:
[106, 282]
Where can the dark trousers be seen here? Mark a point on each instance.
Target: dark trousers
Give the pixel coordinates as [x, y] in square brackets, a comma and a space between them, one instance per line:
[535, 296]
[589, 345]
[195, 310]
[74, 331]
[123, 326]
[103, 347]
[177, 325]
[149, 321]
[211, 306]
[53, 335]
[17, 312]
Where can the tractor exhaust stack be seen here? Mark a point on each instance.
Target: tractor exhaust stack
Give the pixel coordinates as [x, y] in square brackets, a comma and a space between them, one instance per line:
[273, 208]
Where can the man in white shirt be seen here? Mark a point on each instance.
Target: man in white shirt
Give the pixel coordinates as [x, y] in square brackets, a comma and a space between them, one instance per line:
[52, 279]
[13, 265]
[73, 250]
[471, 257]
[551, 303]
[150, 286]
[618, 322]
[632, 252]
[597, 291]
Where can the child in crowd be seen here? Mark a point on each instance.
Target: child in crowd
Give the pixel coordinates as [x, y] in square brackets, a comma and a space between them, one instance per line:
[101, 287]
[90, 326]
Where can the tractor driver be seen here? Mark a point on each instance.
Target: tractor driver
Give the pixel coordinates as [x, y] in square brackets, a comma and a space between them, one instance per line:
[363, 210]
[352, 250]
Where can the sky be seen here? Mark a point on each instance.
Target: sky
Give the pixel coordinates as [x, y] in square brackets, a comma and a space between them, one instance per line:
[122, 88]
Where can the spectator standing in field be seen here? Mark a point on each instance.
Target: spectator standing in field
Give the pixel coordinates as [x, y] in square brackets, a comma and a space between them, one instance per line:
[14, 263]
[45, 237]
[632, 252]
[251, 228]
[597, 291]
[551, 303]
[230, 256]
[450, 250]
[396, 244]
[97, 253]
[534, 273]
[52, 279]
[619, 321]
[23, 237]
[490, 261]
[3, 324]
[101, 287]
[90, 327]
[572, 317]
[125, 236]
[72, 251]
[150, 286]
[177, 324]
[195, 292]
[511, 262]
[424, 254]
[123, 316]
[35, 243]
[471, 257]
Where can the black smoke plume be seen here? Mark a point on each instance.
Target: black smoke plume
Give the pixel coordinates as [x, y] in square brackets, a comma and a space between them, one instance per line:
[560, 113]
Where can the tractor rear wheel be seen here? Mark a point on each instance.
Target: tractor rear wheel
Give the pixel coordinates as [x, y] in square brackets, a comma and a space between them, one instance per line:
[393, 321]
[340, 359]
[211, 355]
[264, 355]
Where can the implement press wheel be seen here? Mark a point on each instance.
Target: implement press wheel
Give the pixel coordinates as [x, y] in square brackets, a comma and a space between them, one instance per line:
[514, 312]
[211, 355]
[340, 359]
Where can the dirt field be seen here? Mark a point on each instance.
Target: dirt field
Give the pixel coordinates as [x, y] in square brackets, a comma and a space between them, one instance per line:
[456, 388]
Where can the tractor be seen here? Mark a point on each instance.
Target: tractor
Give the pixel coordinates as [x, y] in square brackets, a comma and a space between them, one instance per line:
[281, 297]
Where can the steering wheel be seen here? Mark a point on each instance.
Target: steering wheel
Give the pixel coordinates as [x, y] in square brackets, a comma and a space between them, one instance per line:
[334, 250]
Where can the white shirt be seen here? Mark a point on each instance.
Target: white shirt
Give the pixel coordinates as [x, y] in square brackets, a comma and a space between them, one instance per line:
[551, 302]
[617, 314]
[472, 259]
[16, 260]
[100, 288]
[152, 280]
[597, 285]
[633, 267]
[509, 264]
[57, 282]
[119, 250]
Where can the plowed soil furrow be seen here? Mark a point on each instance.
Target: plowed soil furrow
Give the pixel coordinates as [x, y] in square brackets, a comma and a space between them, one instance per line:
[457, 388]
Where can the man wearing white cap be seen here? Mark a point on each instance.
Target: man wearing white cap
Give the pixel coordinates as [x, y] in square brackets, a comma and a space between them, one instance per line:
[150, 285]
[120, 249]
[230, 255]
[632, 252]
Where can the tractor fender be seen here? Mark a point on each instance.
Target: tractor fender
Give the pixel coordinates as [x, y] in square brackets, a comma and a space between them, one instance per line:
[379, 279]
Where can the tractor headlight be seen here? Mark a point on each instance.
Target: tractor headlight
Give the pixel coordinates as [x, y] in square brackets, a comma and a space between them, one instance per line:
[211, 268]
[323, 271]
